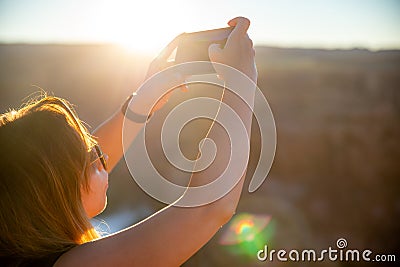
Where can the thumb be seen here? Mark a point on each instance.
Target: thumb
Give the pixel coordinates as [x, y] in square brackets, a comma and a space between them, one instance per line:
[214, 51]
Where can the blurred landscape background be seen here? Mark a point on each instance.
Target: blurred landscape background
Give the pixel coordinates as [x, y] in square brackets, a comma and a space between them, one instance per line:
[336, 171]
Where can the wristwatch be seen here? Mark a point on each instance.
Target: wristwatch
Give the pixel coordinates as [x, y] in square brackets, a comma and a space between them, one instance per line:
[133, 116]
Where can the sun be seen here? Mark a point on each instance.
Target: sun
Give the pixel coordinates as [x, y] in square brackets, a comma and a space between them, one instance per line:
[142, 27]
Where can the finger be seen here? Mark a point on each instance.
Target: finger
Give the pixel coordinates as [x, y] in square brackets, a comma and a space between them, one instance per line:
[167, 95]
[169, 64]
[166, 52]
[164, 99]
[241, 25]
[214, 51]
[246, 42]
[184, 88]
[249, 41]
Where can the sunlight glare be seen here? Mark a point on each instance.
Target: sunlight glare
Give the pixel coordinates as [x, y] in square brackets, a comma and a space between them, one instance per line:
[140, 28]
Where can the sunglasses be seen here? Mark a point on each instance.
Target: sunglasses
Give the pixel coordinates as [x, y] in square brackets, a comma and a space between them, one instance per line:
[101, 156]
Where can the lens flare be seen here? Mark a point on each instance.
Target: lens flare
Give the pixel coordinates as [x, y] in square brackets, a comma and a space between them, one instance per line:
[244, 226]
[246, 233]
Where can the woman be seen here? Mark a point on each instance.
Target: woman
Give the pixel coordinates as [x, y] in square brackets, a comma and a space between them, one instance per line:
[54, 178]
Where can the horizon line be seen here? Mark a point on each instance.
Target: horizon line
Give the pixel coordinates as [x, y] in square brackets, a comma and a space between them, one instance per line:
[266, 45]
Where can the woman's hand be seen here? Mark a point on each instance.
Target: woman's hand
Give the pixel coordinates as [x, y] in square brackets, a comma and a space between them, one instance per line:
[159, 64]
[161, 61]
[238, 51]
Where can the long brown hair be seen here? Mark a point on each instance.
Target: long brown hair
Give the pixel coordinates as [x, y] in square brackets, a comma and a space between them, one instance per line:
[45, 153]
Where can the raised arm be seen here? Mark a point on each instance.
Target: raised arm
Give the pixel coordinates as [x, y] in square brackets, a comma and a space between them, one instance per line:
[109, 133]
[174, 234]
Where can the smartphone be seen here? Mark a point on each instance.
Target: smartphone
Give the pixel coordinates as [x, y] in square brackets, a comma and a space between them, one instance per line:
[193, 46]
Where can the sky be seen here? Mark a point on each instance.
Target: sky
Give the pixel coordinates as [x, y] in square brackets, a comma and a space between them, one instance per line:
[147, 25]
